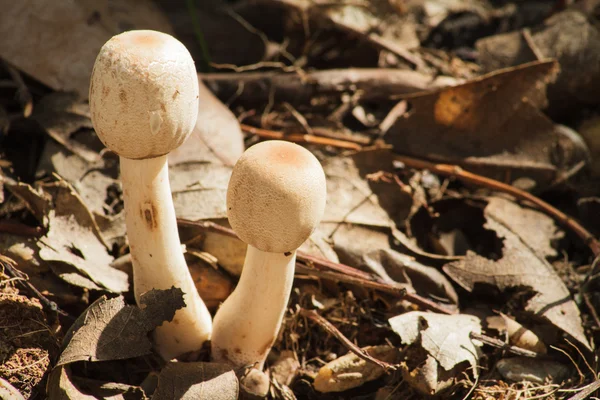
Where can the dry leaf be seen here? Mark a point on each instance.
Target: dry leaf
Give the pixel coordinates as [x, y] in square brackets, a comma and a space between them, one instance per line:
[537, 230]
[193, 381]
[350, 371]
[61, 115]
[73, 238]
[60, 386]
[112, 330]
[217, 137]
[446, 338]
[65, 36]
[492, 125]
[570, 38]
[520, 266]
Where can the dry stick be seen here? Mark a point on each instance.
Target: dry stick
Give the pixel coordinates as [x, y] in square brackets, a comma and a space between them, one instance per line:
[332, 330]
[19, 229]
[7, 265]
[490, 341]
[587, 391]
[465, 176]
[333, 271]
[300, 138]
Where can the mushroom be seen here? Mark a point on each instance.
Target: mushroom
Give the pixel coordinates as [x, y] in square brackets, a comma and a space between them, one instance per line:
[144, 103]
[275, 200]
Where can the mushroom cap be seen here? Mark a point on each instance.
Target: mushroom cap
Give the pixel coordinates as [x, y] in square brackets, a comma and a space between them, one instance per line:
[276, 196]
[143, 94]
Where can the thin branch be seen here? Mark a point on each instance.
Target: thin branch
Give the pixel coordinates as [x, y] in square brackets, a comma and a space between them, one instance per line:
[490, 341]
[300, 138]
[332, 330]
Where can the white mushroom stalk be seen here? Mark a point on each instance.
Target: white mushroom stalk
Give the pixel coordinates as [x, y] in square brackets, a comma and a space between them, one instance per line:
[275, 200]
[144, 103]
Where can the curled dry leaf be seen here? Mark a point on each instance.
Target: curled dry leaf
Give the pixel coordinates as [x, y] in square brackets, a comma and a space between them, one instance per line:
[491, 125]
[350, 371]
[520, 265]
[111, 330]
[191, 381]
[61, 387]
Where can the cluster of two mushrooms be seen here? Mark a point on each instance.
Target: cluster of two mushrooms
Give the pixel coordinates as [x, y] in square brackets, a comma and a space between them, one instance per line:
[144, 103]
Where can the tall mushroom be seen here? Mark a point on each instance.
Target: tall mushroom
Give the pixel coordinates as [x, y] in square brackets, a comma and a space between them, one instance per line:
[144, 103]
[275, 200]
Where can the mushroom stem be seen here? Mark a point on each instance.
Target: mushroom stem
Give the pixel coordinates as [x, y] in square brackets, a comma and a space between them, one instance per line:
[247, 323]
[158, 262]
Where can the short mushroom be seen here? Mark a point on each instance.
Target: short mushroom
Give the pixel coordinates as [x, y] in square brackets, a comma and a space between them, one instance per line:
[144, 103]
[275, 200]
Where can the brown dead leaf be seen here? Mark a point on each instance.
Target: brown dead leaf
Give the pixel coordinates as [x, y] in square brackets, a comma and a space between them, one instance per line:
[217, 137]
[61, 115]
[191, 381]
[111, 330]
[65, 37]
[570, 38]
[60, 386]
[63, 384]
[519, 265]
[444, 337]
[73, 238]
[199, 190]
[492, 125]
[537, 230]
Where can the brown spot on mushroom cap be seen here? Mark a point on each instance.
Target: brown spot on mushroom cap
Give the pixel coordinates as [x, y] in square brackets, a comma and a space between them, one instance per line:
[136, 74]
[276, 196]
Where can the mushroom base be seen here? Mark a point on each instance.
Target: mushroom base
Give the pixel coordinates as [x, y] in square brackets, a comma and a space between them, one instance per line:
[246, 325]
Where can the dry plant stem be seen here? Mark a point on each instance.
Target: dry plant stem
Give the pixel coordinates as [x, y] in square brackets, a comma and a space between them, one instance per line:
[490, 341]
[587, 391]
[332, 330]
[337, 272]
[399, 293]
[468, 177]
[251, 316]
[300, 138]
[158, 262]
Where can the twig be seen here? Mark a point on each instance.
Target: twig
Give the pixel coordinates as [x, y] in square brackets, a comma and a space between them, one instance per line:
[300, 138]
[7, 264]
[19, 229]
[587, 391]
[332, 330]
[532, 46]
[333, 271]
[469, 177]
[490, 341]
[23, 94]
